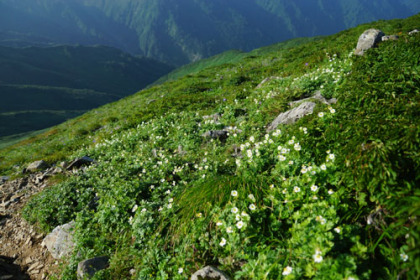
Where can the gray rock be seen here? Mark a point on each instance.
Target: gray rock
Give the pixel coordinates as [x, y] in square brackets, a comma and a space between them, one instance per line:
[390, 38]
[368, 40]
[36, 166]
[87, 268]
[293, 115]
[77, 163]
[413, 32]
[216, 134]
[209, 273]
[60, 241]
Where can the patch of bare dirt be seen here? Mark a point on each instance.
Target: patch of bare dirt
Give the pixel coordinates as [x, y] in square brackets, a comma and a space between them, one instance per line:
[21, 254]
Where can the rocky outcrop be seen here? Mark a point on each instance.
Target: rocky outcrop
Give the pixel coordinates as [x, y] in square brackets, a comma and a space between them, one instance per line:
[209, 273]
[369, 39]
[37, 166]
[87, 268]
[60, 241]
[79, 162]
[293, 115]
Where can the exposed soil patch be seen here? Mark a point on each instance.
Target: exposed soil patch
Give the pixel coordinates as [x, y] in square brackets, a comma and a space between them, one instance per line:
[21, 254]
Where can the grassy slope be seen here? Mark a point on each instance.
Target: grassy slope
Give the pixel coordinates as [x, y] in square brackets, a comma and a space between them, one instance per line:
[41, 87]
[372, 177]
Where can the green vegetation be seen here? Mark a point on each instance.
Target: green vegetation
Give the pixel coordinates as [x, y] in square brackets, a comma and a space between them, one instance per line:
[41, 87]
[333, 196]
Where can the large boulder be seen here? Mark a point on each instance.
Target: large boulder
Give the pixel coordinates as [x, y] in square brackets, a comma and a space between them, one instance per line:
[87, 268]
[209, 273]
[368, 40]
[293, 115]
[60, 241]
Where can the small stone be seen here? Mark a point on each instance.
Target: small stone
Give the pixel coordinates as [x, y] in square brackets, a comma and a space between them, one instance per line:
[413, 32]
[216, 134]
[209, 273]
[390, 38]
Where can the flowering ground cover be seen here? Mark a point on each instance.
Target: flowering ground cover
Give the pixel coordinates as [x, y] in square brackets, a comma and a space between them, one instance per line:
[333, 196]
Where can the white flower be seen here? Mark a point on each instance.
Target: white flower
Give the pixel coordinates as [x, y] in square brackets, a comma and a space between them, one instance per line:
[252, 207]
[331, 156]
[169, 206]
[229, 230]
[304, 170]
[291, 141]
[134, 208]
[323, 167]
[222, 242]
[279, 148]
[239, 224]
[291, 162]
[244, 214]
[252, 139]
[271, 186]
[219, 223]
[199, 215]
[238, 217]
[234, 193]
[251, 196]
[249, 153]
[314, 188]
[296, 189]
[234, 210]
[130, 220]
[320, 114]
[321, 220]
[170, 200]
[284, 151]
[282, 158]
[143, 210]
[180, 270]
[287, 270]
[330, 191]
[284, 191]
[404, 257]
[332, 111]
[297, 147]
[317, 256]
[337, 229]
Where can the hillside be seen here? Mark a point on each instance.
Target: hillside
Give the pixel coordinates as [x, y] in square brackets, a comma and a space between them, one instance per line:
[41, 87]
[183, 31]
[188, 174]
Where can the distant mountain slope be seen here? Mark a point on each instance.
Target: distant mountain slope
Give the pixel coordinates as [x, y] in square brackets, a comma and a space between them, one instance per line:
[40, 87]
[181, 31]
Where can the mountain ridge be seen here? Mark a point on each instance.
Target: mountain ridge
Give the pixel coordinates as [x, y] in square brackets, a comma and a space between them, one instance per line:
[179, 32]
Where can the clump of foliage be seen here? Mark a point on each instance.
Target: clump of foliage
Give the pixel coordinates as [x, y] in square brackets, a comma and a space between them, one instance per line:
[332, 196]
